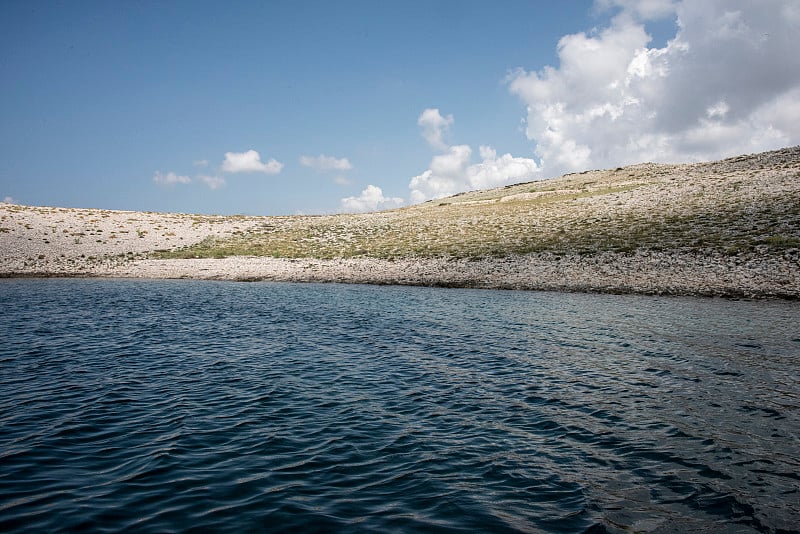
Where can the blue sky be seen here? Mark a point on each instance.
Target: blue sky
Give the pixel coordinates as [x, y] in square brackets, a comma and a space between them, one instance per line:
[318, 107]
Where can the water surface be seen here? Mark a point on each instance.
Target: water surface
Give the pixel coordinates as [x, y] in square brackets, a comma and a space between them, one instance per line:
[176, 405]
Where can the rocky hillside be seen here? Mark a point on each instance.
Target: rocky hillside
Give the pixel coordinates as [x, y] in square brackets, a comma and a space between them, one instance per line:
[729, 228]
[742, 205]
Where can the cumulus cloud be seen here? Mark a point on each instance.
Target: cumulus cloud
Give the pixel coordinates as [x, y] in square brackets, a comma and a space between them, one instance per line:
[370, 199]
[447, 175]
[728, 82]
[249, 161]
[452, 171]
[494, 171]
[213, 182]
[434, 127]
[170, 178]
[326, 163]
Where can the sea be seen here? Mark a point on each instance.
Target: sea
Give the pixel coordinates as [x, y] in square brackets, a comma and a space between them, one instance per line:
[189, 406]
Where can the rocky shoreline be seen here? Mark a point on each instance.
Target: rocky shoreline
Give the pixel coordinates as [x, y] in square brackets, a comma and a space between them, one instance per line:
[639, 273]
[727, 229]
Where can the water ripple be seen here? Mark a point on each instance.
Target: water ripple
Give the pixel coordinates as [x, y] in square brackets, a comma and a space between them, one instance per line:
[169, 406]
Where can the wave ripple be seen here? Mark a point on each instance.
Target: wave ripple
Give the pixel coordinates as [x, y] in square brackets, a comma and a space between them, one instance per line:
[175, 405]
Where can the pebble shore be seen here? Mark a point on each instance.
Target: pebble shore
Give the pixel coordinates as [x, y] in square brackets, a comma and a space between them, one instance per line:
[643, 273]
[56, 242]
[101, 243]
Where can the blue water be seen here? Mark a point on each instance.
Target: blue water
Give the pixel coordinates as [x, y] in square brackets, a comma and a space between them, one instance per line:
[180, 405]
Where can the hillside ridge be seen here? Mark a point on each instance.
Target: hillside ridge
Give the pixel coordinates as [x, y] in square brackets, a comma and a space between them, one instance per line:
[735, 220]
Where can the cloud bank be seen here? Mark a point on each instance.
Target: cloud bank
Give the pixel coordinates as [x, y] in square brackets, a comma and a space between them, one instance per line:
[452, 171]
[370, 199]
[727, 83]
[249, 161]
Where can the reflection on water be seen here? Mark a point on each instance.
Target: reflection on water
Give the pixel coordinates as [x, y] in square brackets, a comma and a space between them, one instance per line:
[224, 406]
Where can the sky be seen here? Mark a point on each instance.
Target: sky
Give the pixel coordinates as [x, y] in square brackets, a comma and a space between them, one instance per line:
[316, 107]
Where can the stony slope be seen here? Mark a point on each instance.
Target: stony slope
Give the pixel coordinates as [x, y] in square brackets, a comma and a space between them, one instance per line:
[745, 204]
[725, 228]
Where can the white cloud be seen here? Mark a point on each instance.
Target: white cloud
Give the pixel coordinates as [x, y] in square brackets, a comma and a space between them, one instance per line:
[341, 180]
[446, 176]
[452, 171]
[170, 178]
[371, 199]
[213, 182]
[201, 163]
[9, 200]
[434, 126]
[727, 83]
[494, 171]
[249, 161]
[453, 163]
[325, 163]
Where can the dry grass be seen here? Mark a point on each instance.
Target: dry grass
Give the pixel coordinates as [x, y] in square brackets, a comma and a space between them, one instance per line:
[748, 204]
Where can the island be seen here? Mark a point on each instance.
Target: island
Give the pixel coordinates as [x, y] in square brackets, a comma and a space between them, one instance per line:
[728, 228]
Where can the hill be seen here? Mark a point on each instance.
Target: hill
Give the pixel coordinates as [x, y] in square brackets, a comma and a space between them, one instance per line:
[730, 227]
